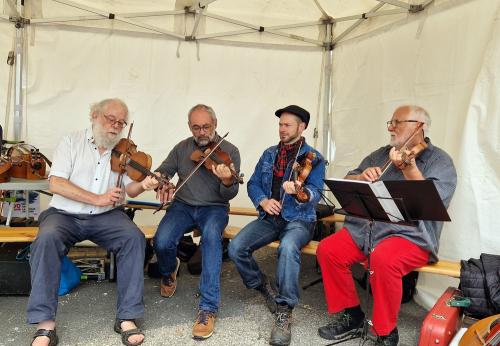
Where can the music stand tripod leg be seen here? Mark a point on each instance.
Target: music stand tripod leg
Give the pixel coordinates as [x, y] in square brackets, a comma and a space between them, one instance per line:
[367, 323]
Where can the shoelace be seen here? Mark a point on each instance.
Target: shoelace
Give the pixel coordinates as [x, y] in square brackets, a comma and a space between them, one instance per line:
[383, 340]
[203, 317]
[168, 281]
[282, 319]
[340, 319]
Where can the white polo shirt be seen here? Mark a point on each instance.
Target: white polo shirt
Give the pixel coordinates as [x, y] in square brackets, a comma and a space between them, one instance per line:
[77, 159]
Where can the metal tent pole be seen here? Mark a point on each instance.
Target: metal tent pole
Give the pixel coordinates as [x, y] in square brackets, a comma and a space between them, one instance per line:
[18, 81]
[328, 103]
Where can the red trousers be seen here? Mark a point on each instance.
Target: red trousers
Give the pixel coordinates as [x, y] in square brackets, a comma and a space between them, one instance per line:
[391, 259]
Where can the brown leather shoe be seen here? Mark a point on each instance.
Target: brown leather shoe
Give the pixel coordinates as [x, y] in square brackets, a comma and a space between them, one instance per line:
[168, 284]
[204, 325]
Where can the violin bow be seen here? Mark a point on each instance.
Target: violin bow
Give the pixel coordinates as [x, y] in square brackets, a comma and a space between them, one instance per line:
[193, 171]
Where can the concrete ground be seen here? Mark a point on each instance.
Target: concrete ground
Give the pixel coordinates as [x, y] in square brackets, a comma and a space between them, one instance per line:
[86, 315]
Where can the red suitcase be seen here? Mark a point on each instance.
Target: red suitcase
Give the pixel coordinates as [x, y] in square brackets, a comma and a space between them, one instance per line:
[442, 322]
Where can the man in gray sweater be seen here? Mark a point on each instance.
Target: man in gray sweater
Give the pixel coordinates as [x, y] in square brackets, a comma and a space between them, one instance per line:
[202, 202]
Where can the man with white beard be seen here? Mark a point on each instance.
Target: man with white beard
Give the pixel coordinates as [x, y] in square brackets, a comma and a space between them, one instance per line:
[83, 208]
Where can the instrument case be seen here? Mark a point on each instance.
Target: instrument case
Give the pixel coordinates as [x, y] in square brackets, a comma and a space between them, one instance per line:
[442, 322]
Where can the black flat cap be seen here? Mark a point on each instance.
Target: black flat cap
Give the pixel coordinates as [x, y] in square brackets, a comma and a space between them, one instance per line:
[296, 110]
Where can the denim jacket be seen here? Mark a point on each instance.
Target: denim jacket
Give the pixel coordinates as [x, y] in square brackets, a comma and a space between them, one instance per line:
[259, 185]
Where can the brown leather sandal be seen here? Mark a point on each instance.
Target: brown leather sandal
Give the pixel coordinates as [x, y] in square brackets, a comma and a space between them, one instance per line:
[51, 334]
[128, 333]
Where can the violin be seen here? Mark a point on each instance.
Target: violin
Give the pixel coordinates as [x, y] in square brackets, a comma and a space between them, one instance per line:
[407, 157]
[214, 156]
[27, 162]
[485, 332]
[5, 166]
[126, 159]
[301, 172]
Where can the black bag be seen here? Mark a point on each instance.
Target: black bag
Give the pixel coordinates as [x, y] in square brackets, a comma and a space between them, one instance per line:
[194, 263]
[480, 282]
[323, 210]
[186, 248]
[15, 276]
[321, 231]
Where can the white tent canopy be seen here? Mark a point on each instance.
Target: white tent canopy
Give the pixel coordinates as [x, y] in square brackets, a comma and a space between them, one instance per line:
[350, 63]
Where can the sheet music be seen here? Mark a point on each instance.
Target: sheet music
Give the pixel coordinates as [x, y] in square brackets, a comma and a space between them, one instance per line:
[390, 207]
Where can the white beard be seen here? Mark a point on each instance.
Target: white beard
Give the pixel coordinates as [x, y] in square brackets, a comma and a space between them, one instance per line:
[104, 139]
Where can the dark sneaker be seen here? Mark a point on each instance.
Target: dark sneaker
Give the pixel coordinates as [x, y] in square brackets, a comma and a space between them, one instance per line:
[168, 284]
[388, 340]
[281, 335]
[342, 325]
[203, 327]
[269, 291]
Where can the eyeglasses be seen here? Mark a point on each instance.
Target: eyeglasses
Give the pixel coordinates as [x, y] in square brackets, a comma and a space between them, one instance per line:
[196, 128]
[112, 121]
[396, 122]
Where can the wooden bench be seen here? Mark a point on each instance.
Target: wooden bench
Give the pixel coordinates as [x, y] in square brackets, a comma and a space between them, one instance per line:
[443, 267]
[28, 234]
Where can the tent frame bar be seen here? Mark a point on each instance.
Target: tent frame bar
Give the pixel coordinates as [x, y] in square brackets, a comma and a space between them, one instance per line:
[200, 10]
[102, 17]
[396, 3]
[356, 24]
[121, 19]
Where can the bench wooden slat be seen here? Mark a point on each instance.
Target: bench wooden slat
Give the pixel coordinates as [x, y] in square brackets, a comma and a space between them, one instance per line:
[241, 211]
[18, 234]
[28, 234]
[443, 267]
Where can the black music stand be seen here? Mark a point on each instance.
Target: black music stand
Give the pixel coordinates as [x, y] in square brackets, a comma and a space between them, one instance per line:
[402, 202]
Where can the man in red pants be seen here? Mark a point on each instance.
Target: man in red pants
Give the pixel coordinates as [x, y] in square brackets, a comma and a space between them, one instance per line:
[398, 249]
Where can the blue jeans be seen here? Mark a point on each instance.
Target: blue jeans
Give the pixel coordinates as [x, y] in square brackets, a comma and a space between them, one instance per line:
[211, 221]
[293, 237]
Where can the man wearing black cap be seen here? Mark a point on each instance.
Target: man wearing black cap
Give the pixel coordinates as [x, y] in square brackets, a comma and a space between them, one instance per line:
[286, 208]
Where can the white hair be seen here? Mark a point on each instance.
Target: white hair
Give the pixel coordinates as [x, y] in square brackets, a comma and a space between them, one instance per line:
[98, 107]
[421, 114]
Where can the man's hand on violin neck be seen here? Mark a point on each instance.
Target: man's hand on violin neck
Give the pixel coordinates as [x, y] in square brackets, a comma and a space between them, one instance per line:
[223, 173]
[271, 206]
[290, 187]
[113, 195]
[149, 183]
[401, 158]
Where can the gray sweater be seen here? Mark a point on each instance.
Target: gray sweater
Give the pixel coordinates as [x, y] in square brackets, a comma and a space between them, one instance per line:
[203, 188]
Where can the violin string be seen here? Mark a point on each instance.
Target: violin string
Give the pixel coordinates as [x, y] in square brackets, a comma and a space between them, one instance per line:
[199, 164]
[282, 198]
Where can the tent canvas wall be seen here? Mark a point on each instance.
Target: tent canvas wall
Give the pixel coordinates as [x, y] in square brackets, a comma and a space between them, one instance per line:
[443, 58]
